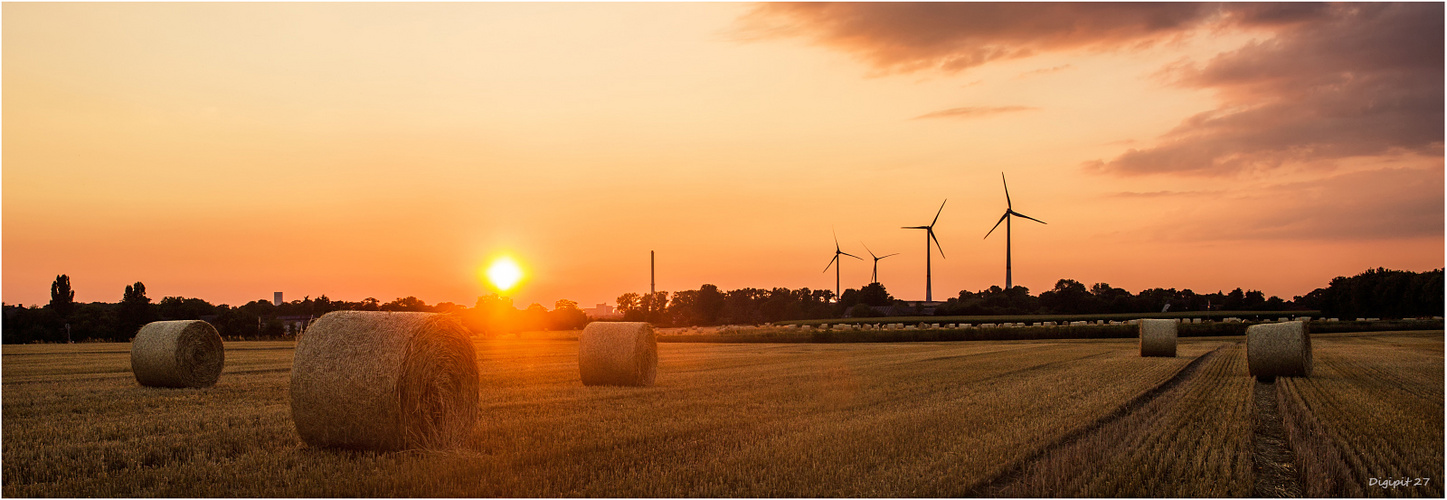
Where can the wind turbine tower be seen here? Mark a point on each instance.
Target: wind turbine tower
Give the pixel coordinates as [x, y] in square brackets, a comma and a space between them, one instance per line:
[1009, 211]
[874, 277]
[930, 235]
[836, 262]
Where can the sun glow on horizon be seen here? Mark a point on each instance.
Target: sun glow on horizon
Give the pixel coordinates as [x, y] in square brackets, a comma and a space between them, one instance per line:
[504, 273]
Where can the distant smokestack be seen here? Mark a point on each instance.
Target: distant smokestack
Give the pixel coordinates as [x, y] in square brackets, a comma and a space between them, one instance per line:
[277, 299]
[651, 276]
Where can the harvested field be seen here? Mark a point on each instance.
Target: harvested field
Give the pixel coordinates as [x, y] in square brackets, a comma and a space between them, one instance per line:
[1194, 439]
[914, 419]
[1372, 409]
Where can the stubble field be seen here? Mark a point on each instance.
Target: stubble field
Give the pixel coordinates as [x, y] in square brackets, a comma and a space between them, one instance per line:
[1013, 418]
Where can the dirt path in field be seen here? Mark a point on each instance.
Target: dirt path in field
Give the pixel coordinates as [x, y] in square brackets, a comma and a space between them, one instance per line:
[1276, 474]
[996, 485]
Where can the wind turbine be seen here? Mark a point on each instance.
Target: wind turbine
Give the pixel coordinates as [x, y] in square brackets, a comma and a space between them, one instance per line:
[874, 278]
[930, 235]
[1006, 219]
[837, 253]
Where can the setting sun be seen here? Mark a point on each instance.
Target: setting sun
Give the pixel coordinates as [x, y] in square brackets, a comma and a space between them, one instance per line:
[504, 273]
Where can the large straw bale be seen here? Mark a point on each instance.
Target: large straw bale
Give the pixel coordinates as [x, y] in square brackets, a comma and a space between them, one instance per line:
[186, 353]
[1158, 337]
[384, 381]
[617, 354]
[1278, 350]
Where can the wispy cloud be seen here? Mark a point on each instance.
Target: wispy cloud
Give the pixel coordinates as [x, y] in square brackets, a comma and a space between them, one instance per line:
[908, 37]
[1327, 82]
[1364, 80]
[974, 112]
[1161, 194]
[1044, 71]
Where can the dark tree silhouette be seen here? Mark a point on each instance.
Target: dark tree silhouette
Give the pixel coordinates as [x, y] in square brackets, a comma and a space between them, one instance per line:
[134, 311]
[62, 298]
[1384, 293]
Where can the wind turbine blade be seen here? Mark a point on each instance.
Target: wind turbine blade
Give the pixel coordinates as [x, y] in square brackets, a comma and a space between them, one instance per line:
[871, 252]
[915, 227]
[836, 239]
[997, 224]
[937, 213]
[891, 255]
[831, 263]
[937, 244]
[846, 253]
[1027, 217]
[1007, 190]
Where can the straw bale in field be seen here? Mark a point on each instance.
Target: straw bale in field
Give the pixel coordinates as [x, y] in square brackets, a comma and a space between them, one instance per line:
[1278, 350]
[186, 353]
[369, 380]
[618, 354]
[1158, 337]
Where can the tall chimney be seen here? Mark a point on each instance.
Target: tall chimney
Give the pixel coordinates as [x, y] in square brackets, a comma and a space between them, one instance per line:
[651, 283]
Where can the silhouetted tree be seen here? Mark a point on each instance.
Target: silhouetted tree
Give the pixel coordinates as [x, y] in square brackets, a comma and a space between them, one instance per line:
[566, 316]
[874, 294]
[1384, 293]
[183, 308]
[1068, 297]
[134, 311]
[234, 322]
[62, 298]
[408, 303]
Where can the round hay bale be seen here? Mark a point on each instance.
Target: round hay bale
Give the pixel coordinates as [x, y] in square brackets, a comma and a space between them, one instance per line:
[384, 381]
[185, 353]
[1158, 337]
[618, 354]
[1278, 350]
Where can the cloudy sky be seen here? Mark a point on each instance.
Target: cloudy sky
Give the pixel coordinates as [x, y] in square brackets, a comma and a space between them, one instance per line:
[227, 151]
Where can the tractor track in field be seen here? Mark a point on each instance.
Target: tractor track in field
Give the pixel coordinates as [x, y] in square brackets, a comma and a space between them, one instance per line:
[992, 486]
[1274, 462]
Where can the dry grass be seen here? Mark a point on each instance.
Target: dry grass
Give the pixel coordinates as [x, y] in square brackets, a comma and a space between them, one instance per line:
[1372, 409]
[916, 419]
[1192, 440]
[729, 420]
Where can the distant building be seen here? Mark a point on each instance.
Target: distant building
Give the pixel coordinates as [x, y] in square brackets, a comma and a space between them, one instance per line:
[276, 300]
[603, 311]
[295, 325]
[926, 308]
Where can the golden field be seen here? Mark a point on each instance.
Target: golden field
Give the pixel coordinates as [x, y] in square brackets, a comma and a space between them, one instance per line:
[1012, 418]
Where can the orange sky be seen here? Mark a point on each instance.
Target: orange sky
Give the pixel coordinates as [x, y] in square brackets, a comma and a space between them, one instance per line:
[227, 151]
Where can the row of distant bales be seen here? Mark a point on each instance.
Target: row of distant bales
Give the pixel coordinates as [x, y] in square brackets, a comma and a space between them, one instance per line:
[385, 381]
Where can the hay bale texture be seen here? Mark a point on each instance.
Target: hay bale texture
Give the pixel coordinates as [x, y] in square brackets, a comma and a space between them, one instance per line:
[1158, 337]
[185, 353]
[1278, 350]
[618, 354]
[384, 381]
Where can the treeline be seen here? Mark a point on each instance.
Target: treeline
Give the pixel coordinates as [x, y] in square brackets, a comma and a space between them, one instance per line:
[1376, 293]
[1379, 293]
[63, 319]
[1382, 293]
[709, 306]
